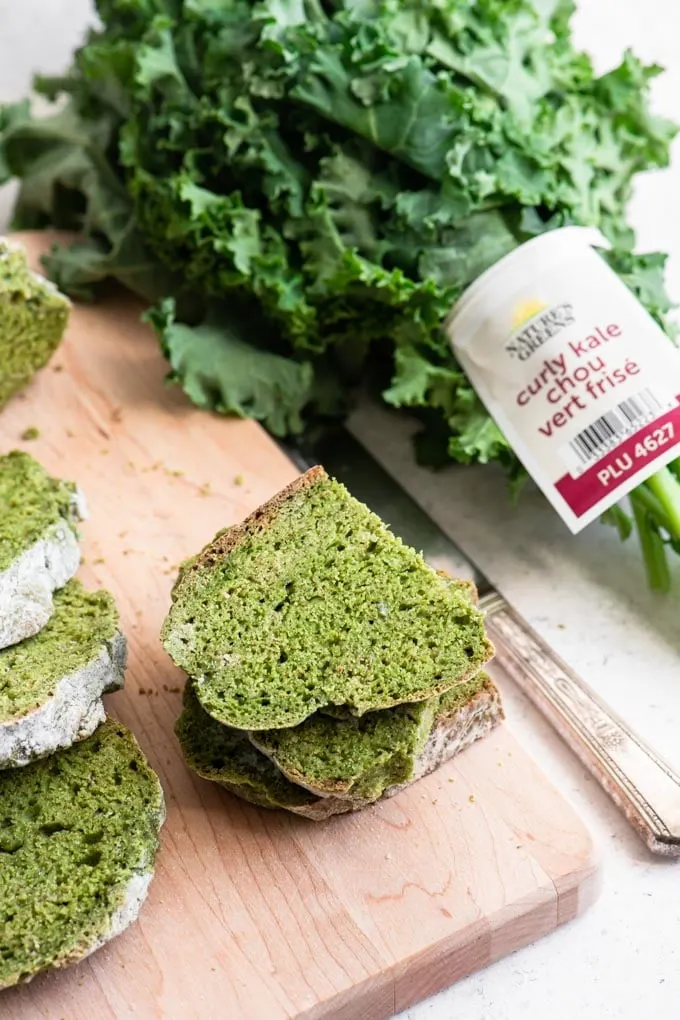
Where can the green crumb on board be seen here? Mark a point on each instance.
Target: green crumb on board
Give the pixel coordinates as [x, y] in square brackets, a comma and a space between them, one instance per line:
[30, 433]
[33, 318]
[204, 489]
[239, 480]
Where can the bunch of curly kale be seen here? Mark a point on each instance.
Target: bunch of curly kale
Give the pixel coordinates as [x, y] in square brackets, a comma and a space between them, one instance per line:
[303, 188]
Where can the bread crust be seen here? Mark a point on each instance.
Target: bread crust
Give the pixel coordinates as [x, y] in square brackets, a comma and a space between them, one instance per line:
[226, 541]
[131, 897]
[72, 713]
[27, 585]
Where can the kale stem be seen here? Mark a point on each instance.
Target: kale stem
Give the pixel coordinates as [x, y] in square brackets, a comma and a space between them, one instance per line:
[666, 488]
[674, 468]
[653, 506]
[653, 548]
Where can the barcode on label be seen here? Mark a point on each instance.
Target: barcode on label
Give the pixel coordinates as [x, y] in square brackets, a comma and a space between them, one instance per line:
[612, 428]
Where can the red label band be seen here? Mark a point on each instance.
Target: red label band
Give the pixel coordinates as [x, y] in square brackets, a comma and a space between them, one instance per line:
[612, 471]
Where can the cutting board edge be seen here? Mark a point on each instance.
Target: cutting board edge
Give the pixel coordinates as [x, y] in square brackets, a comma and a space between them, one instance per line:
[406, 983]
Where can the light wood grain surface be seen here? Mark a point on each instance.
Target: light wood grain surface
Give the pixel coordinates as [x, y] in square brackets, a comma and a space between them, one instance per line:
[254, 915]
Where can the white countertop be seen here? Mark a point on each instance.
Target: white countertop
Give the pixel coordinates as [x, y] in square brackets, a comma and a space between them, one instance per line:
[586, 595]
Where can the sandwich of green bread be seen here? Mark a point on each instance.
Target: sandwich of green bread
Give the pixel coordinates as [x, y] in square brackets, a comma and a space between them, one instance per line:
[33, 318]
[312, 604]
[38, 544]
[78, 841]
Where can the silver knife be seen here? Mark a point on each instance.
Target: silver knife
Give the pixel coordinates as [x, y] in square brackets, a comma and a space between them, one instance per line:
[638, 780]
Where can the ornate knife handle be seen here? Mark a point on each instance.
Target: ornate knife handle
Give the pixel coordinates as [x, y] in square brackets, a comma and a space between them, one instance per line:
[643, 786]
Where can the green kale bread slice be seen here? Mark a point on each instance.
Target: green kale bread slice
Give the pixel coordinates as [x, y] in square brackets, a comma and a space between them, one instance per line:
[360, 758]
[312, 602]
[78, 841]
[38, 543]
[226, 756]
[33, 318]
[51, 685]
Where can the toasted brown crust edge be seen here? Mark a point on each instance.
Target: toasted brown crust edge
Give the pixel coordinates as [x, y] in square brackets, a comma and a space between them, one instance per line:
[259, 519]
[226, 541]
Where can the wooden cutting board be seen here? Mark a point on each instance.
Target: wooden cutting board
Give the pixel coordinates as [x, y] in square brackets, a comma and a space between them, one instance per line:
[254, 915]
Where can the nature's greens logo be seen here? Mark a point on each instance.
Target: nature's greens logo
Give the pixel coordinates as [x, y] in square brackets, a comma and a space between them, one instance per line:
[534, 323]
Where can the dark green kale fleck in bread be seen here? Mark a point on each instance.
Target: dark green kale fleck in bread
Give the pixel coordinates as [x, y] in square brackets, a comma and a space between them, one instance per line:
[51, 685]
[312, 602]
[38, 543]
[78, 841]
[348, 764]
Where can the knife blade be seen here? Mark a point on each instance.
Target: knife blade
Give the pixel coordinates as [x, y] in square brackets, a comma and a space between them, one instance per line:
[644, 786]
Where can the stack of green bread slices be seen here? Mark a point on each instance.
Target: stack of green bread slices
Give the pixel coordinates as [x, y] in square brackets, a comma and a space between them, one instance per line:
[80, 808]
[328, 664]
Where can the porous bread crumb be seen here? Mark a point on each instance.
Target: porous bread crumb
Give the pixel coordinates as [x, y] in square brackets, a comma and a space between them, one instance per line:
[32, 502]
[225, 756]
[338, 753]
[307, 575]
[102, 807]
[83, 622]
[33, 318]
